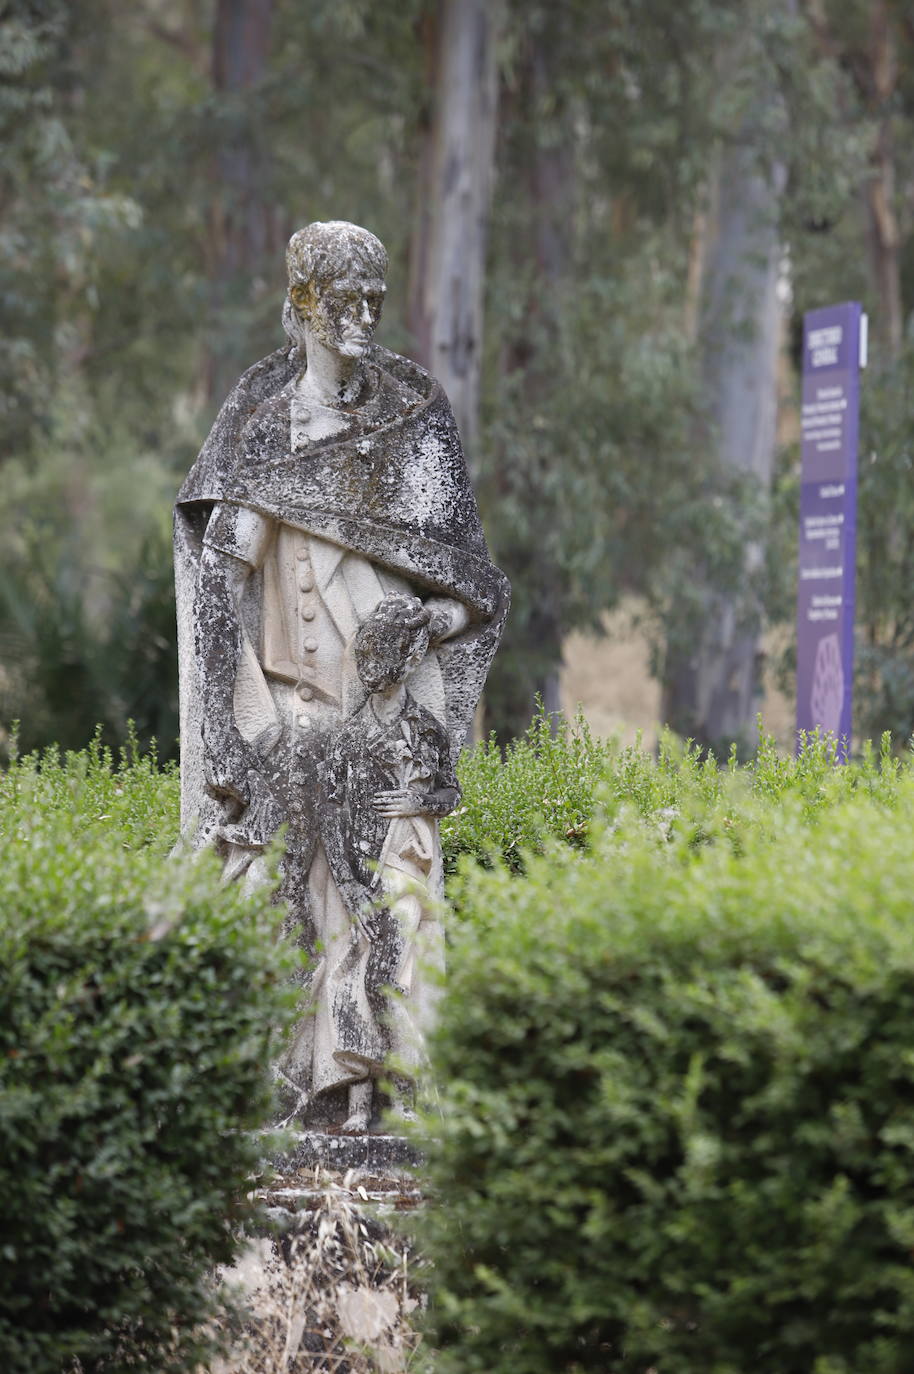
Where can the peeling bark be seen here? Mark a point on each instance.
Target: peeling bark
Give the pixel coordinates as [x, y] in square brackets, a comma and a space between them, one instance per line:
[873, 68]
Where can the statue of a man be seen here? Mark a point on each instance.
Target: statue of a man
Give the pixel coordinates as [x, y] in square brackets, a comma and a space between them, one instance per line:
[333, 479]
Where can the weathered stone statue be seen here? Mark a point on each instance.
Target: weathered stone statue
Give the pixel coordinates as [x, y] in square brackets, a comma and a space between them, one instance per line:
[337, 615]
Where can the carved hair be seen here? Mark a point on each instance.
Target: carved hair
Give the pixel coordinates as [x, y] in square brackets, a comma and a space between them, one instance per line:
[323, 251]
[394, 630]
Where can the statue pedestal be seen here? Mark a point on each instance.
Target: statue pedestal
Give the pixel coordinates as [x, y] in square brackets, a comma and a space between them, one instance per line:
[332, 1267]
[380, 1156]
[373, 1174]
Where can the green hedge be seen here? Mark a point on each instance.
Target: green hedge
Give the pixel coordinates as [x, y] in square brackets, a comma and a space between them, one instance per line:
[544, 788]
[677, 1082]
[138, 1004]
[673, 1060]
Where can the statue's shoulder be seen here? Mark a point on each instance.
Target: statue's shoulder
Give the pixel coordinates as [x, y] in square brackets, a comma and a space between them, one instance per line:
[255, 390]
[266, 377]
[431, 407]
[406, 371]
[207, 478]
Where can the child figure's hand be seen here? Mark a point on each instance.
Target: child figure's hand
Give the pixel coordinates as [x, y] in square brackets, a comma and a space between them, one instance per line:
[398, 801]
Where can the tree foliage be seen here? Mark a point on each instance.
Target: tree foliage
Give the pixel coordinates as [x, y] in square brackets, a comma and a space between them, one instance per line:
[131, 290]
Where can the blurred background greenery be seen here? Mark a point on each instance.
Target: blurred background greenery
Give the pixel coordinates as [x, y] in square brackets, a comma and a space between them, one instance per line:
[666, 187]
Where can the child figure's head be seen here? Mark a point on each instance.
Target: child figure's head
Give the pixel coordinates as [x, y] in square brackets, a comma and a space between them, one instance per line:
[392, 641]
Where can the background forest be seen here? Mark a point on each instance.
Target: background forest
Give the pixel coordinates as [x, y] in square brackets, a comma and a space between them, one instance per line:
[605, 219]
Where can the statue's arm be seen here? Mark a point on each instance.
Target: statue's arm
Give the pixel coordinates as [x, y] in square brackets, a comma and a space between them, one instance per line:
[449, 618]
[408, 801]
[217, 642]
[218, 634]
[357, 898]
[441, 802]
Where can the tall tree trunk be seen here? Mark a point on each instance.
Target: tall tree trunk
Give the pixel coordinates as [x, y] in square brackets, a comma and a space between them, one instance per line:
[885, 236]
[240, 217]
[712, 689]
[551, 200]
[698, 255]
[531, 658]
[448, 251]
[873, 66]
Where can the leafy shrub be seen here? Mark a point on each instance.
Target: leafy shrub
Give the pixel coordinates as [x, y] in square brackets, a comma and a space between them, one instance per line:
[548, 786]
[543, 785]
[138, 1005]
[677, 1081]
[130, 803]
[679, 919]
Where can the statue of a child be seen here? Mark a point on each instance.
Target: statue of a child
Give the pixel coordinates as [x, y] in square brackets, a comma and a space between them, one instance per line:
[388, 777]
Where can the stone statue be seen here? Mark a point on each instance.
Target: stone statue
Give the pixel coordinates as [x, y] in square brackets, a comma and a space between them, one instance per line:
[337, 615]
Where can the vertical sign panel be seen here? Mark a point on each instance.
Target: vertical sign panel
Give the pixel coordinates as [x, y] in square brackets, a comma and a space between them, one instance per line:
[828, 519]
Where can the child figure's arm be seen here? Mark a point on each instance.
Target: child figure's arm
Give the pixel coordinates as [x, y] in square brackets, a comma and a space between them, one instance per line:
[405, 801]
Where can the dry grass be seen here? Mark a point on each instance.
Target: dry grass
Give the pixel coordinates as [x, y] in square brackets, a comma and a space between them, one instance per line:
[334, 1293]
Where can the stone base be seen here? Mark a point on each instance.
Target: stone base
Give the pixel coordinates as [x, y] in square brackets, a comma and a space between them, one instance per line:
[378, 1155]
[333, 1267]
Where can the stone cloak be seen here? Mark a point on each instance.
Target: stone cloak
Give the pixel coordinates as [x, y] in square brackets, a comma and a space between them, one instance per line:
[397, 493]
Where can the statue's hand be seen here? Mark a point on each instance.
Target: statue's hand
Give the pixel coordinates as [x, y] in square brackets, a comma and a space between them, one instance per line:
[438, 627]
[260, 819]
[227, 763]
[398, 801]
[448, 618]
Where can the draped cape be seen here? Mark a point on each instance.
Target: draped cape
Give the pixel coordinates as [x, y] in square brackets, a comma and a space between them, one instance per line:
[395, 491]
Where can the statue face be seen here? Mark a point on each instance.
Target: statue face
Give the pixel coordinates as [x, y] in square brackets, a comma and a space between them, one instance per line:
[344, 314]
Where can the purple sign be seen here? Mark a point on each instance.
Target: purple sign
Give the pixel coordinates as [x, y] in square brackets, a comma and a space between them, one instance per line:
[834, 341]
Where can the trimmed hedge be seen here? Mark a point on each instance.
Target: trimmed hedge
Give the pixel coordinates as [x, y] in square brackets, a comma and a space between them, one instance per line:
[644, 1039]
[677, 1082]
[138, 1005]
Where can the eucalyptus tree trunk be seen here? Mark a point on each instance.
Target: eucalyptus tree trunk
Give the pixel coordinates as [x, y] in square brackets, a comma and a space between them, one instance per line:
[551, 182]
[448, 250]
[881, 81]
[543, 153]
[871, 58]
[240, 215]
[712, 685]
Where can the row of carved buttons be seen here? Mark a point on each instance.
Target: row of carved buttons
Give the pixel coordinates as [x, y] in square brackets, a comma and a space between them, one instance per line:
[305, 571]
[306, 584]
[303, 689]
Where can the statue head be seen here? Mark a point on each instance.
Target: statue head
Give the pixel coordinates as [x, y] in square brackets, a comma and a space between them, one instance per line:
[336, 285]
[392, 640]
